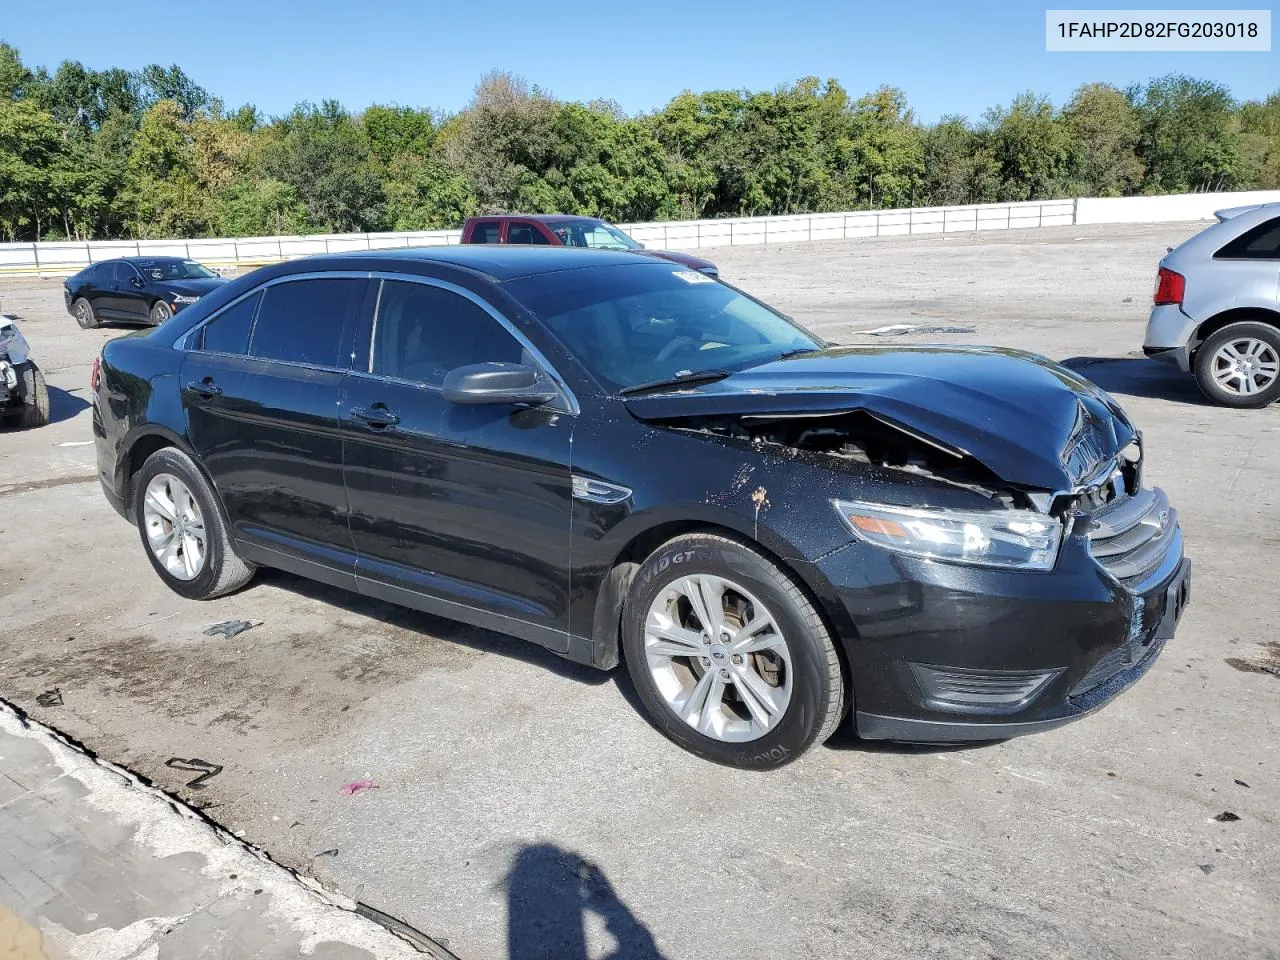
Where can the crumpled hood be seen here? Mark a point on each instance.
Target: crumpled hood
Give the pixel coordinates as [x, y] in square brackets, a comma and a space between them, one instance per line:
[1031, 421]
[193, 288]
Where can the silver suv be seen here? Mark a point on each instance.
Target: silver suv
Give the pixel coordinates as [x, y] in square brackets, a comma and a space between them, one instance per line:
[1217, 307]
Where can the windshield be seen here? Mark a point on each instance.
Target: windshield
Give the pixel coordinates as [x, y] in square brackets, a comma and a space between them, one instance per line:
[175, 270]
[631, 325]
[592, 233]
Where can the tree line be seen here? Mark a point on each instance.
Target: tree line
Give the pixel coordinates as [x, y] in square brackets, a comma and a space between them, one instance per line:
[102, 154]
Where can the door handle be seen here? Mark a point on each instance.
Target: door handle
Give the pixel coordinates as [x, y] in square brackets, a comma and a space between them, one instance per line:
[206, 388]
[377, 417]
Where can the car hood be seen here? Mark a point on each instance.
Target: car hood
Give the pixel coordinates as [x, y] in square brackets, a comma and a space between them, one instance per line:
[193, 288]
[685, 259]
[1031, 421]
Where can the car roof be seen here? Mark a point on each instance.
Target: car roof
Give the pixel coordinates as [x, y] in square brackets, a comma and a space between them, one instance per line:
[539, 217]
[499, 262]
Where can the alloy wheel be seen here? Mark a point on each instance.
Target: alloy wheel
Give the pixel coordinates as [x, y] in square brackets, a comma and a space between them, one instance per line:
[718, 658]
[174, 526]
[1246, 366]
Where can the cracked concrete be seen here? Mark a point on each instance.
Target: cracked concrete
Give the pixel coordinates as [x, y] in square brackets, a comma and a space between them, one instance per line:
[96, 865]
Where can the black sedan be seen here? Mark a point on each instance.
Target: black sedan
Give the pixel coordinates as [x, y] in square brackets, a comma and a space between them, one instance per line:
[137, 289]
[622, 459]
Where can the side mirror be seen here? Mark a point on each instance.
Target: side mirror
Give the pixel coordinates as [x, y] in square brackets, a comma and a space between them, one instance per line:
[512, 384]
[137, 282]
[639, 245]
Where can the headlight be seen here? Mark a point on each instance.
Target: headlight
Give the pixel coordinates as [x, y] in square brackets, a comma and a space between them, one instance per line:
[1019, 539]
[179, 298]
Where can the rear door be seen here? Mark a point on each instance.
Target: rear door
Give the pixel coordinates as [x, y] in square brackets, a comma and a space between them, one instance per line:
[261, 394]
[463, 510]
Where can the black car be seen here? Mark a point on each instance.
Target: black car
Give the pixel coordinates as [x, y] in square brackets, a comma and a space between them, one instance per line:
[623, 459]
[137, 289]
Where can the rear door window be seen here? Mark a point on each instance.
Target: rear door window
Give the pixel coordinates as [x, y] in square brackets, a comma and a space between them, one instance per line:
[302, 321]
[486, 232]
[422, 332]
[228, 332]
[1258, 243]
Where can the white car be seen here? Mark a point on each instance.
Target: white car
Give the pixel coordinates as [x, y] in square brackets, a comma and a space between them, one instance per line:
[24, 398]
[1217, 307]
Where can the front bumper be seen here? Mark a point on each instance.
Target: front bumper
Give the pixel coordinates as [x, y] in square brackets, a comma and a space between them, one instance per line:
[946, 653]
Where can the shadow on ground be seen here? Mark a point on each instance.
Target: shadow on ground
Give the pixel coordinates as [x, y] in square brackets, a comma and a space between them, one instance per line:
[64, 404]
[1139, 377]
[550, 892]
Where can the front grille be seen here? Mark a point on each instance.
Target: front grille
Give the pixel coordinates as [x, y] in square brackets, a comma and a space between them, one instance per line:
[1131, 535]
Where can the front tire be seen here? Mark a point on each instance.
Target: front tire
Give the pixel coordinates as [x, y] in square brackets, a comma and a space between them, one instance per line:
[84, 313]
[182, 528]
[160, 312]
[1239, 365]
[729, 657]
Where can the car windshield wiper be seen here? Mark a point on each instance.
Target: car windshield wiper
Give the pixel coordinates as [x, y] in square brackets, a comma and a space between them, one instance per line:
[679, 380]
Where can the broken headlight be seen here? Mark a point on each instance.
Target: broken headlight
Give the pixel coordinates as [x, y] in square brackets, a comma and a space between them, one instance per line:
[1017, 539]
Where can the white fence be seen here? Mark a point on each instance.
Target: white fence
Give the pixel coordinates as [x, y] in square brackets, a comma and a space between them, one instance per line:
[61, 259]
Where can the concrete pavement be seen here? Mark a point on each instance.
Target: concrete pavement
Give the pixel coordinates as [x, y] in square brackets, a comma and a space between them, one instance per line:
[96, 865]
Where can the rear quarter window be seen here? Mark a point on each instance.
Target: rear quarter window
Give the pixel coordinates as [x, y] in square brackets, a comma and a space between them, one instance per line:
[228, 332]
[1257, 243]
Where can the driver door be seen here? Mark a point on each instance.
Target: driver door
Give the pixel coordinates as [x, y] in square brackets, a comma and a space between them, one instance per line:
[457, 509]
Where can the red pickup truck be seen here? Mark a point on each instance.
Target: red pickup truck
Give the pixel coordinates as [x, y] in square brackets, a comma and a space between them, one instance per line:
[560, 230]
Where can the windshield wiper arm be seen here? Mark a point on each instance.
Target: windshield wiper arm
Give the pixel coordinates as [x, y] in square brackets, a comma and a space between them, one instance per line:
[679, 380]
[787, 355]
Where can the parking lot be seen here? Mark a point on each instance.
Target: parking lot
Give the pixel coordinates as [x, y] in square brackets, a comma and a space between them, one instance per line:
[524, 808]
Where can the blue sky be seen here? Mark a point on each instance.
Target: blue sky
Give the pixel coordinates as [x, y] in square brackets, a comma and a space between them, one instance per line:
[949, 57]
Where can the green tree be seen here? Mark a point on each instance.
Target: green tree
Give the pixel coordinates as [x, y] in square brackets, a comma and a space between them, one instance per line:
[501, 141]
[1104, 133]
[1260, 141]
[162, 190]
[1031, 149]
[1188, 142]
[324, 157]
[15, 78]
[158, 83]
[32, 157]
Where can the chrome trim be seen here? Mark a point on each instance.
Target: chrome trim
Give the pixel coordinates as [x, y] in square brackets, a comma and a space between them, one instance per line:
[547, 368]
[1136, 540]
[597, 491]
[181, 342]
[571, 399]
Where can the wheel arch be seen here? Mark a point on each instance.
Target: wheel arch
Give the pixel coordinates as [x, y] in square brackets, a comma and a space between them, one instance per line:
[610, 602]
[1235, 315]
[141, 445]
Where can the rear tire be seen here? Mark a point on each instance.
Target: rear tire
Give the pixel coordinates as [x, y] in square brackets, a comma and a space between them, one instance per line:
[182, 528]
[34, 411]
[85, 316]
[1239, 365]
[765, 697]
